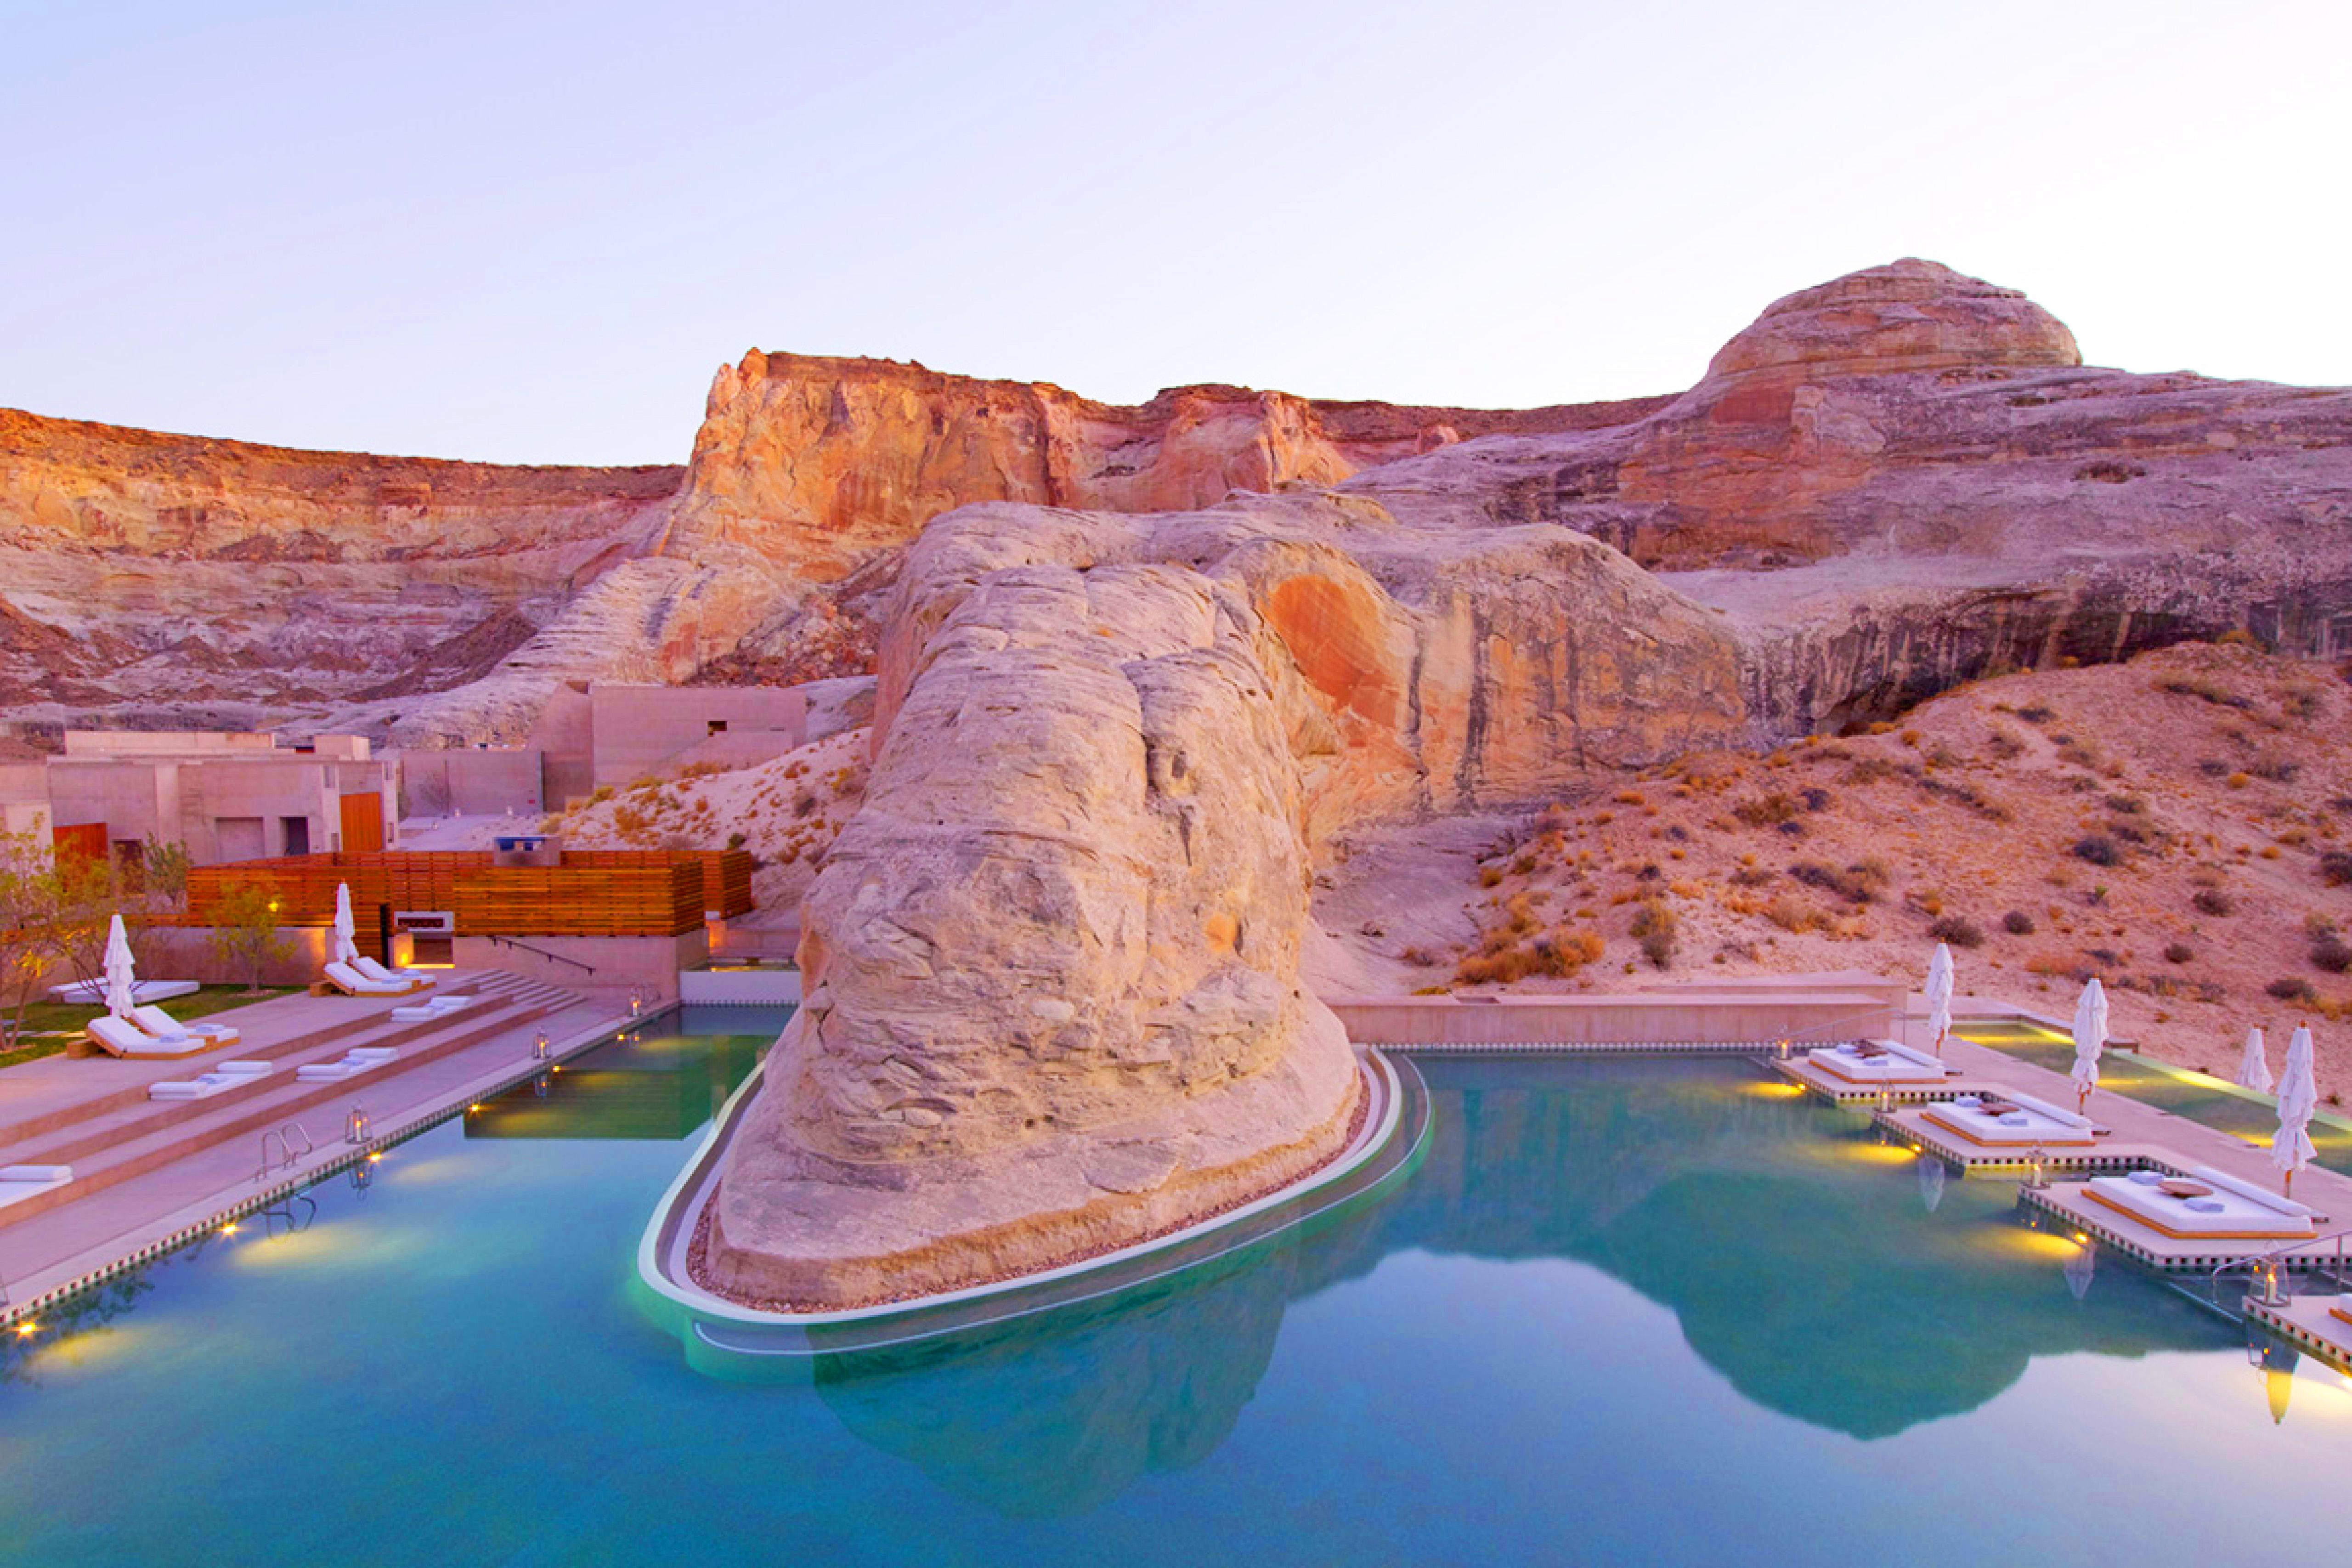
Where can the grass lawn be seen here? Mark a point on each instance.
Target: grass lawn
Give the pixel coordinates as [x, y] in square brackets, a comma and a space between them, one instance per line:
[61, 1022]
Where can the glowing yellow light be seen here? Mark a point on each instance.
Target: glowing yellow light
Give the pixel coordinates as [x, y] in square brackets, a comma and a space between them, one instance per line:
[2081, 1238]
[471, 1108]
[27, 1329]
[1775, 1090]
[229, 1229]
[373, 1158]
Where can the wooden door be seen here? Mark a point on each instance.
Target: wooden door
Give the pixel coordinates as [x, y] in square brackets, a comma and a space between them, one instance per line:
[363, 823]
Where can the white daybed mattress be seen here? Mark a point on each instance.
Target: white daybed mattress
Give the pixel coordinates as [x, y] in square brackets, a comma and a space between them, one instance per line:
[1901, 1063]
[2032, 1122]
[2234, 1208]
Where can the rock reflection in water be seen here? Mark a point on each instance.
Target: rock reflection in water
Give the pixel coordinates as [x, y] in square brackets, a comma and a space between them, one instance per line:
[1060, 1413]
[1794, 1249]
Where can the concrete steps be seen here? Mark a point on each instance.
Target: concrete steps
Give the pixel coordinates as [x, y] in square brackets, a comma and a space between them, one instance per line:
[118, 1137]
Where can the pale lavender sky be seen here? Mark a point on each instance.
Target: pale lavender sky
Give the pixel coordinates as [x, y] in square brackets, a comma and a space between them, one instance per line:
[531, 232]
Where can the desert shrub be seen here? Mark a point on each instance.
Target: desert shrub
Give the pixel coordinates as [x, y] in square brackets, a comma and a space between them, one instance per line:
[629, 820]
[2204, 690]
[2017, 923]
[2127, 804]
[2291, 989]
[1795, 917]
[1958, 930]
[2336, 867]
[736, 839]
[1791, 828]
[2005, 744]
[2213, 901]
[1751, 876]
[2036, 714]
[1850, 884]
[2301, 702]
[1766, 810]
[1523, 866]
[2179, 953]
[2277, 770]
[1654, 928]
[2332, 954]
[1816, 798]
[2098, 849]
[604, 792]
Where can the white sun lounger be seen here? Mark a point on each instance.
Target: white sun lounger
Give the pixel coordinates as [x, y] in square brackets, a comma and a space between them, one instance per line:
[121, 1037]
[1901, 1063]
[18, 1183]
[163, 1026]
[439, 1007]
[2034, 1121]
[378, 973]
[204, 1086]
[2234, 1209]
[346, 979]
[350, 1064]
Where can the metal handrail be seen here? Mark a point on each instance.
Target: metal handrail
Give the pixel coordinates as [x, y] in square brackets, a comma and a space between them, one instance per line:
[2258, 1260]
[542, 953]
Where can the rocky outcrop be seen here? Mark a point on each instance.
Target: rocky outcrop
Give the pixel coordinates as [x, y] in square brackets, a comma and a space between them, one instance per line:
[187, 571]
[1054, 999]
[1906, 478]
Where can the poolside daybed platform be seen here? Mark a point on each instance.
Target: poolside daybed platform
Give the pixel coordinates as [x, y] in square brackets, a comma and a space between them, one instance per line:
[2074, 1204]
[2012, 1121]
[1845, 1074]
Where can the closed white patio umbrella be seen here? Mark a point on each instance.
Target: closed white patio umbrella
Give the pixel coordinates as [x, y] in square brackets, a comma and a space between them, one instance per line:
[1939, 994]
[2090, 1039]
[2253, 1067]
[121, 982]
[346, 949]
[2298, 1097]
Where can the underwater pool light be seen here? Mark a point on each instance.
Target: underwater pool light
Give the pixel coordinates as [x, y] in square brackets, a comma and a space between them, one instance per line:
[27, 1329]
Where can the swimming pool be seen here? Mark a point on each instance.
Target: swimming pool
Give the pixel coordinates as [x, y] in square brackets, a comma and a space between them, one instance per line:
[1636, 1311]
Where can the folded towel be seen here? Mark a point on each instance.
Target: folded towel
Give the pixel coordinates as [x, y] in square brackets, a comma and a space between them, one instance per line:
[2015, 1119]
[2146, 1178]
[1968, 1101]
[2206, 1205]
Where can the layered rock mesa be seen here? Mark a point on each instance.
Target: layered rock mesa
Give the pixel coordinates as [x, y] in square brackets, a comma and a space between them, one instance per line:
[1907, 478]
[443, 601]
[1053, 1000]
[174, 570]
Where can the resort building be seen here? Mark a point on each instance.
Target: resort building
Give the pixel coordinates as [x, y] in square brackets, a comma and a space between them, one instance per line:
[226, 795]
[593, 734]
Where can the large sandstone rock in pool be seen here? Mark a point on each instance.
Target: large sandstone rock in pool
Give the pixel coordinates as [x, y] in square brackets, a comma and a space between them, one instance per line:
[1054, 1003]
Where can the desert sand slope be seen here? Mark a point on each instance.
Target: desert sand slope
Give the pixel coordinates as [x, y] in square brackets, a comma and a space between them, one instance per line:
[2180, 826]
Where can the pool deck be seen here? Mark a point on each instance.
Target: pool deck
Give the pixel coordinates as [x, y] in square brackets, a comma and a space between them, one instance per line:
[149, 1174]
[2127, 1135]
[2310, 1323]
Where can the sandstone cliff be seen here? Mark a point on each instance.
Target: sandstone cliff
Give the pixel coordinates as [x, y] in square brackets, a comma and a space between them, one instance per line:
[1054, 996]
[1906, 478]
[184, 572]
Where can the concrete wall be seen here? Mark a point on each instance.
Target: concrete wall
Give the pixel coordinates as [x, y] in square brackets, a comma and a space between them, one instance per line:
[185, 952]
[565, 737]
[649, 963]
[636, 728]
[472, 783]
[1761, 1015]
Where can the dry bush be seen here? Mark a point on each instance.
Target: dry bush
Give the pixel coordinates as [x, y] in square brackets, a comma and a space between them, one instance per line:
[1654, 927]
[2017, 923]
[1958, 930]
[1795, 916]
[1766, 810]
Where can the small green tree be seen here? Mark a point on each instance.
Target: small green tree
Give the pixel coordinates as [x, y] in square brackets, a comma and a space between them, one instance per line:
[245, 927]
[29, 897]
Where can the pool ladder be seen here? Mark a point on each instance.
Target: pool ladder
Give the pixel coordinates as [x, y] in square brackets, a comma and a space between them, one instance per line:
[2273, 1270]
[285, 1136]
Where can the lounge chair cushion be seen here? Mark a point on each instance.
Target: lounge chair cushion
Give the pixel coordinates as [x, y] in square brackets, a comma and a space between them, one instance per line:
[163, 1026]
[2234, 1209]
[359, 984]
[125, 1038]
[35, 1172]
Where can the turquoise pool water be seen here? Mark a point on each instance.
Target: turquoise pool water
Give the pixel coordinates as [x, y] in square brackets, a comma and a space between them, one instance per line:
[1637, 1311]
